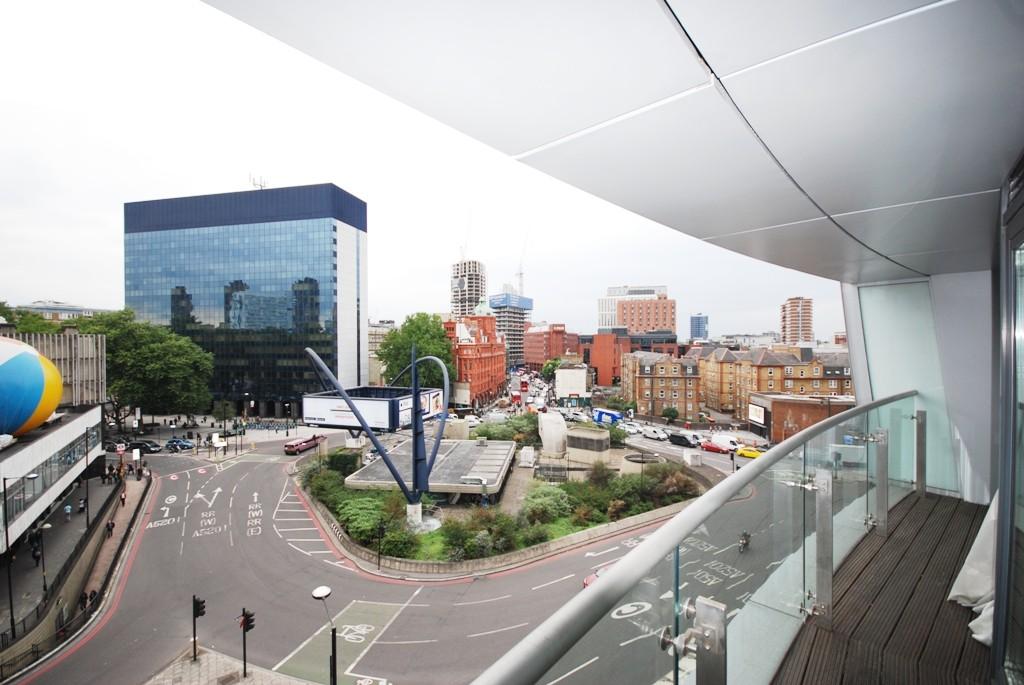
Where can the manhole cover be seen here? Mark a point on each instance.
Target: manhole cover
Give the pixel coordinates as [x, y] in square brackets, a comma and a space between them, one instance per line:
[229, 678]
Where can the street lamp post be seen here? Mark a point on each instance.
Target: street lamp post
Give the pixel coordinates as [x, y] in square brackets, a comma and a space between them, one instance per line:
[322, 593]
[42, 553]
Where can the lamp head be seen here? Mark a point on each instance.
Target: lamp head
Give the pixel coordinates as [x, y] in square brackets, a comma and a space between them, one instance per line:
[322, 592]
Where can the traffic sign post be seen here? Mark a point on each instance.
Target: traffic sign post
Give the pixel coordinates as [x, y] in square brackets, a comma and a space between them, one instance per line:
[247, 622]
[198, 609]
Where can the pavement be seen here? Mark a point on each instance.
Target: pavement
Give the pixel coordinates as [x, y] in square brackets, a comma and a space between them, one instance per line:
[213, 667]
[58, 545]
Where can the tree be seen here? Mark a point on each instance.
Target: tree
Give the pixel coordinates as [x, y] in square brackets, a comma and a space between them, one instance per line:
[150, 367]
[31, 322]
[547, 372]
[670, 413]
[8, 313]
[426, 331]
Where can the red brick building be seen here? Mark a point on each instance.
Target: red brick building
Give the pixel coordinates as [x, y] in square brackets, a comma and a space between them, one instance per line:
[547, 341]
[603, 351]
[644, 316]
[777, 416]
[478, 353]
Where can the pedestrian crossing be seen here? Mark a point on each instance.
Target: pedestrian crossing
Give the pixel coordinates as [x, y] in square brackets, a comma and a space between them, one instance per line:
[294, 524]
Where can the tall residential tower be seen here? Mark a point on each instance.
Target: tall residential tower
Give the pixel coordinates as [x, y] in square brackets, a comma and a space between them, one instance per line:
[797, 321]
[469, 286]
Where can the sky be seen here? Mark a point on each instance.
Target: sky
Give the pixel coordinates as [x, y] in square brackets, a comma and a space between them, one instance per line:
[114, 102]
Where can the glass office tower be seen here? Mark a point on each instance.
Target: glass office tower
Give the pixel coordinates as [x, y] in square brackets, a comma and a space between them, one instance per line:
[255, 277]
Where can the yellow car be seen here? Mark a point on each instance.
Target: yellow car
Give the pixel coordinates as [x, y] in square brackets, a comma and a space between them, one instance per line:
[748, 452]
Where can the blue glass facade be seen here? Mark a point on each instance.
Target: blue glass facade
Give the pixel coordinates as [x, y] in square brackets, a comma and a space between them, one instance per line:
[699, 327]
[254, 293]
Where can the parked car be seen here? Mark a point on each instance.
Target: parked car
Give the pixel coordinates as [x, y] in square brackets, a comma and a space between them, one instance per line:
[630, 427]
[683, 439]
[709, 446]
[144, 446]
[472, 421]
[654, 433]
[576, 415]
[748, 452]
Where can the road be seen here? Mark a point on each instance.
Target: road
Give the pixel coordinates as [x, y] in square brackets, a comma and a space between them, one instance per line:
[240, 534]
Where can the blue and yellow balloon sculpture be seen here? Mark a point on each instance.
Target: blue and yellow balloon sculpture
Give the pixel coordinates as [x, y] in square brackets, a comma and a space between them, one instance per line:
[30, 387]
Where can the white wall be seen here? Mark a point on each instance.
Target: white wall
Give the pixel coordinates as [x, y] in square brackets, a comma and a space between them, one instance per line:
[352, 285]
[571, 382]
[964, 328]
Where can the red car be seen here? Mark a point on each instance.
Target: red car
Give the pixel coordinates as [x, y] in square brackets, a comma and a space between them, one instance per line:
[709, 446]
[589, 580]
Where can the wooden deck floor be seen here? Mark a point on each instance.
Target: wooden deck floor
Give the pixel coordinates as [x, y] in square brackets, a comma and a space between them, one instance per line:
[892, 622]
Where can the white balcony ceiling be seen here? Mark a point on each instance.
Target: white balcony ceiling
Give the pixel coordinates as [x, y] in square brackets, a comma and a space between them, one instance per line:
[860, 141]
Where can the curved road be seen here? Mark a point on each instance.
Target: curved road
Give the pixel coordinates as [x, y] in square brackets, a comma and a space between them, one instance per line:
[241, 534]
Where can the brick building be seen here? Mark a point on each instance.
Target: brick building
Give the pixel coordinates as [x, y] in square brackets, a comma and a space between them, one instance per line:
[478, 354]
[603, 351]
[547, 341]
[777, 416]
[656, 381]
[643, 316]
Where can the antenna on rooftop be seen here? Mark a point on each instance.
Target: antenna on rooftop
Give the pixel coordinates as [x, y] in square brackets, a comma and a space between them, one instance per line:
[259, 183]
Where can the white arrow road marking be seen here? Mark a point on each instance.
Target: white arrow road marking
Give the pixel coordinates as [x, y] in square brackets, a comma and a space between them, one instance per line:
[209, 502]
[702, 529]
[604, 551]
[605, 563]
[255, 497]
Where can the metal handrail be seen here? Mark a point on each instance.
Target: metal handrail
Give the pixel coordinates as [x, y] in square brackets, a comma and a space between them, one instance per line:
[535, 654]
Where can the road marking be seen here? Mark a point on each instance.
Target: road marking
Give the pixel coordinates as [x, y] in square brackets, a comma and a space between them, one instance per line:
[404, 642]
[630, 609]
[352, 666]
[578, 668]
[732, 613]
[481, 601]
[605, 563]
[735, 544]
[604, 551]
[310, 638]
[552, 582]
[319, 551]
[302, 519]
[738, 582]
[774, 563]
[634, 639]
[298, 548]
[289, 530]
[303, 540]
[499, 630]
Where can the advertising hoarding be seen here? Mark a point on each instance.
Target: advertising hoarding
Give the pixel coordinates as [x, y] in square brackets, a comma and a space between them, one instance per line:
[755, 414]
[333, 412]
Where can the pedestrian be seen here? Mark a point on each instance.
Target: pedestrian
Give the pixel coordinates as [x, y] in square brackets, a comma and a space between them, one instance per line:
[124, 496]
[81, 505]
[67, 512]
[110, 528]
[83, 601]
[92, 599]
[36, 555]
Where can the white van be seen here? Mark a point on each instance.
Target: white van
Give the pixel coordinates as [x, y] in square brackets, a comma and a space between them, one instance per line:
[654, 433]
[726, 441]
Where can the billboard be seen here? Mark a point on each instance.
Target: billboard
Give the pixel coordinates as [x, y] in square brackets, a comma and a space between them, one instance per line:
[755, 414]
[333, 412]
[431, 402]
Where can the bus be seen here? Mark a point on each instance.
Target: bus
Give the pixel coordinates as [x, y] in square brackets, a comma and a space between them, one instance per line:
[299, 445]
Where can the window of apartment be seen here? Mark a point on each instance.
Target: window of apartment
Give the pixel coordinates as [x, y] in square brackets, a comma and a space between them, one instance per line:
[834, 394]
[689, 382]
[661, 382]
[789, 384]
[647, 369]
[675, 395]
[675, 370]
[788, 370]
[689, 394]
[689, 406]
[846, 370]
[801, 390]
[675, 382]
[647, 393]
[661, 393]
[846, 384]
[771, 372]
[833, 384]
[817, 370]
[661, 369]
[802, 373]
[815, 384]
[771, 385]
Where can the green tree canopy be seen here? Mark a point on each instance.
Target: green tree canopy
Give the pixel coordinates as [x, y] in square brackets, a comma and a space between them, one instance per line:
[547, 372]
[670, 413]
[426, 331]
[31, 322]
[150, 367]
[8, 312]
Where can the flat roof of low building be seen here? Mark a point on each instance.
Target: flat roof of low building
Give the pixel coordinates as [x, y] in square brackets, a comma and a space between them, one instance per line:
[810, 399]
[459, 467]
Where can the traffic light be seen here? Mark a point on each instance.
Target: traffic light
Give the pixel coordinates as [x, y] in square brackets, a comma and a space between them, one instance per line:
[198, 607]
[248, 621]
